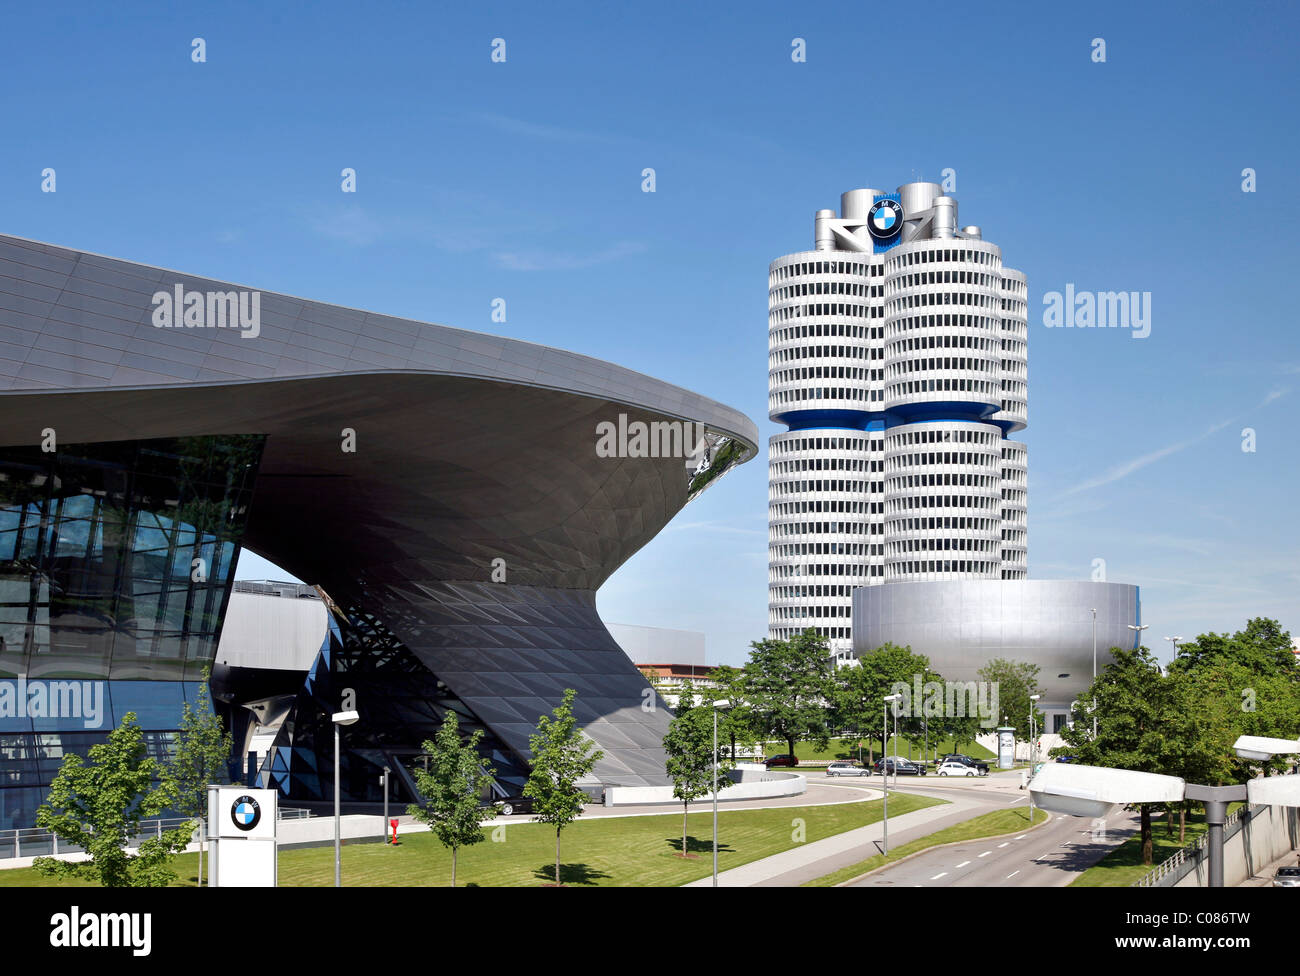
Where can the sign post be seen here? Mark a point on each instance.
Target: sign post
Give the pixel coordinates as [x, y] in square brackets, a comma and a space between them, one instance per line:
[242, 831]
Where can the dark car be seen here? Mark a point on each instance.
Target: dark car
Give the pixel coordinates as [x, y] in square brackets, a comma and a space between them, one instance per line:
[510, 805]
[905, 766]
[785, 759]
[982, 768]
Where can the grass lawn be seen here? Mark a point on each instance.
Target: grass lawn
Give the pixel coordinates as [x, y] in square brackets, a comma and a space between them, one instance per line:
[985, 825]
[1122, 866]
[847, 749]
[601, 851]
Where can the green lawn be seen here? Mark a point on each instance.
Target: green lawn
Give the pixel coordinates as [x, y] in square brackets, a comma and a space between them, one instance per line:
[600, 851]
[986, 825]
[1122, 866]
[847, 749]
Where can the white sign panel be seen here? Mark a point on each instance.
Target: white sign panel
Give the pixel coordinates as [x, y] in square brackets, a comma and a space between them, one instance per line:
[241, 827]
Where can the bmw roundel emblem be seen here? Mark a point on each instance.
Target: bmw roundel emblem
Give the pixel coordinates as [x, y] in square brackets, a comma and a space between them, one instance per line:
[245, 812]
[885, 220]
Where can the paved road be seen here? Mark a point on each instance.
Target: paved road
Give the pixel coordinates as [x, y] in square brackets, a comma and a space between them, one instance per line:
[1052, 855]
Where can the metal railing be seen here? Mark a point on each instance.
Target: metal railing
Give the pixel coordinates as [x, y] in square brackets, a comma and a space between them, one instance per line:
[39, 842]
[1182, 862]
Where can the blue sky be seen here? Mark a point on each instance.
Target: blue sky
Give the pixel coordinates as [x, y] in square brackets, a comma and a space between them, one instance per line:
[522, 180]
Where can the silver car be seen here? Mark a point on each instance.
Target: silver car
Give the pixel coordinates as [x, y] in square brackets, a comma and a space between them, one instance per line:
[847, 769]
[1287, 878]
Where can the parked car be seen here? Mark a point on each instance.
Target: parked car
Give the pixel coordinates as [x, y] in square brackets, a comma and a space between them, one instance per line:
[844, 768]
[951, 767]
[785, 759]
[1287, 877]
[980, 767]
[905, 766]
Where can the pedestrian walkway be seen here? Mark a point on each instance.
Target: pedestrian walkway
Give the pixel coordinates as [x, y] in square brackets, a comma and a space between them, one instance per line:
[821, 857]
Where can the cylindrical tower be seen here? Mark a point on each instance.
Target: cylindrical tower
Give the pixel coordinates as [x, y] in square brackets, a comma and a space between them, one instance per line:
[897, 362]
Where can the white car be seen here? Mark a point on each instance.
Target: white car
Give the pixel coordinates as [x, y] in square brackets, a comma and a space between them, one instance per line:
[956, 769]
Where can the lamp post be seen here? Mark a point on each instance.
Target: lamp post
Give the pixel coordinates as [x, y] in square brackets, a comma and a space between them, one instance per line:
[387, 770]
[1094, 670]
[1033, 751]
[339, 719]
[1137, 630]
[884, 766]
[1174, 641]
[720, 703]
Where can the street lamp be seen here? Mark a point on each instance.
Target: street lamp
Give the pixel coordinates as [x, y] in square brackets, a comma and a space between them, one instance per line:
[884, 766]
[720, 703]
[1138, 628]
[339, 719]
[1094, 670]
[1033, 752]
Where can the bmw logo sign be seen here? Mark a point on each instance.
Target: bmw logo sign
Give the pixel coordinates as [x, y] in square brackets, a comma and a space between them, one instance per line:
[885, 220]
[245, 812]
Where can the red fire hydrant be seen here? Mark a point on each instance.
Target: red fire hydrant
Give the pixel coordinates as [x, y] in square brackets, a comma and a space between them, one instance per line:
[393, 823]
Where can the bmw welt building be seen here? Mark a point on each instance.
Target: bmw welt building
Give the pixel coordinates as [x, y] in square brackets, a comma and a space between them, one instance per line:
[456, 499]
[897, 495]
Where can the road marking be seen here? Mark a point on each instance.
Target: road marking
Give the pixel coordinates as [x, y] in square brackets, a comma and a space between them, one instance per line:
[962, 865]
[1012, 875]
[939, 875]
[1061, 817]
[1021, 837]
[986, 854]
[1004, 843]
[1041, 856]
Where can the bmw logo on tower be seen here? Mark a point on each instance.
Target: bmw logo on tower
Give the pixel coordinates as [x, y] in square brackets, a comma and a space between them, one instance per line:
[245, 812]
[885, 221]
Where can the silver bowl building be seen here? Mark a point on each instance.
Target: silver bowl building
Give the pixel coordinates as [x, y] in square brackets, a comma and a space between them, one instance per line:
[457, 497]
[897, 503]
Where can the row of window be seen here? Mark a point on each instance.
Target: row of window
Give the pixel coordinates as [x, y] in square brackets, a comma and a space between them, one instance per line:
[851, 266]
[948, 276]
[906, 503]
[819, 310]
[896, 306]
[816, 329]
[925, 544]
[948, 341]
[804, 592]
[788, 571]
[804, 373]
[981, 388]
[824, 464]
[897, 462]
[806, 288]
[923, 254]
[861, 442]
[942, 320]
[941, 363]
[827, 352]
[824, 393]
[899, 525]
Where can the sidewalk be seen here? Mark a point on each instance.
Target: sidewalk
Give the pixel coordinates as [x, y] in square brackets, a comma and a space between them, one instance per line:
[809, 861]
[1263, 876]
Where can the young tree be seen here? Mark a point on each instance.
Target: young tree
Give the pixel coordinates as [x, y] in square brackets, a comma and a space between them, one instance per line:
[98, 805]
[736, 722]
[1016, 681]
[202, 748]
[562, 755]
[789, 685]
[452, 783]
[690, 761]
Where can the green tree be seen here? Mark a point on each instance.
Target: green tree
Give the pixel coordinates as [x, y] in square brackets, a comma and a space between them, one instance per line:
[1016, 681]
[860, 689]
[736, 722]
[1137, 718]
[203, 748]
[690, 761]
[97, 804]
[789, 687]
[562, 756]
[452, 783]
[1263, 648]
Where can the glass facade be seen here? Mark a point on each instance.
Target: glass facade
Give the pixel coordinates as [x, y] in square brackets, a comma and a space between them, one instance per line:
[116, 561]
[405, 703]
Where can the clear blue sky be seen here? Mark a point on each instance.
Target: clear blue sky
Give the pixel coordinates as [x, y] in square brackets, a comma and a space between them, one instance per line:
[522, 180]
